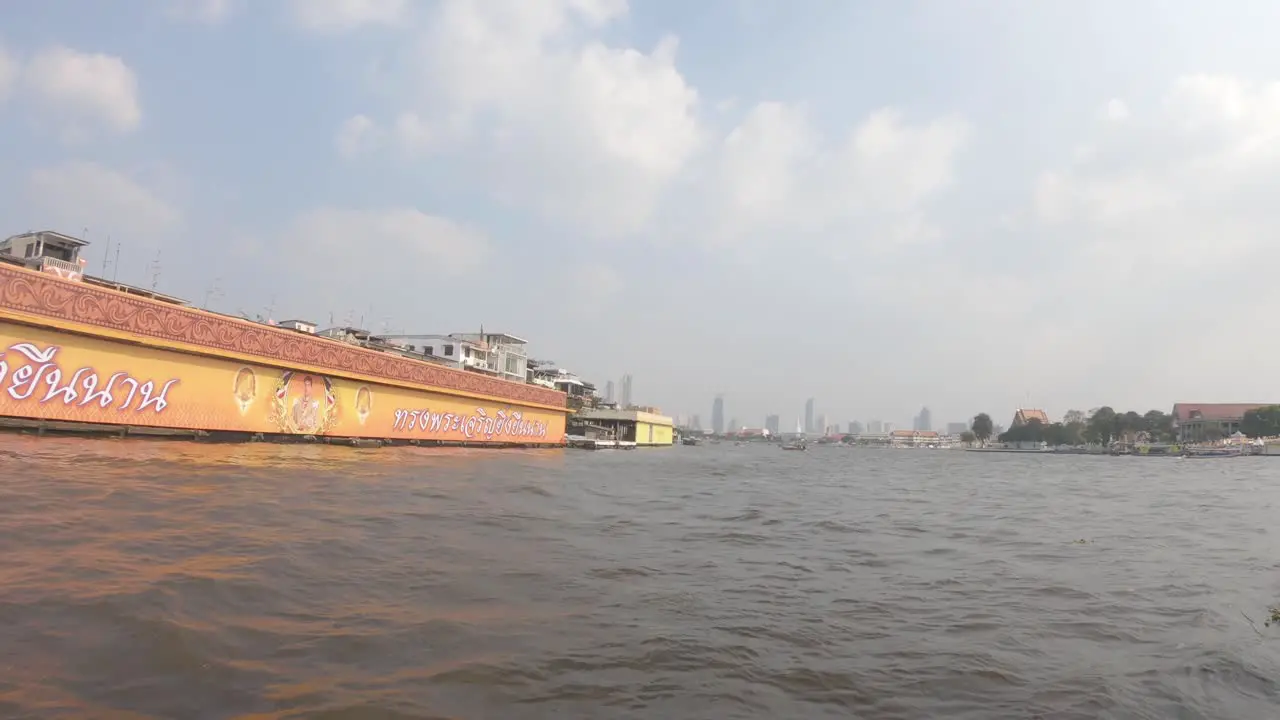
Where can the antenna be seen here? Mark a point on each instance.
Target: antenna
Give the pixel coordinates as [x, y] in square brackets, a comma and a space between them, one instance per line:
[214, 292]
[106, 255]
[155, 272]
[115, 266]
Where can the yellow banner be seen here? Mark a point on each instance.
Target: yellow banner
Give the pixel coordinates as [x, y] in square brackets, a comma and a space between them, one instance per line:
[49, 375]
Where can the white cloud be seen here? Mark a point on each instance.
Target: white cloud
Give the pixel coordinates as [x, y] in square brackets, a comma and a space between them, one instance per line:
[775, 172]
[412, 134]
[583, 132]
[340, 16]
[79, 195]
[403, 236]
[357, 136]
[209, 12]
[9, 69]
[1115, 110]
[1159, 241]
[80, 88]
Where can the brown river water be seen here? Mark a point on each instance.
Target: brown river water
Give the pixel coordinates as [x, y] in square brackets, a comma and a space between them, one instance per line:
[172, 580]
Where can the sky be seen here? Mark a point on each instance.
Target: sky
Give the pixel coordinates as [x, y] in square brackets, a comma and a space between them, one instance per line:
[882, 205]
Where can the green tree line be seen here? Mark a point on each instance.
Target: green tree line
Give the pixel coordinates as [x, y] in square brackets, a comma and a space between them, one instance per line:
[1102, 426]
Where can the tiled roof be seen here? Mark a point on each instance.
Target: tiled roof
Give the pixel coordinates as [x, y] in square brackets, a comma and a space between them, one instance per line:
[1026, 415]
[1214, 411]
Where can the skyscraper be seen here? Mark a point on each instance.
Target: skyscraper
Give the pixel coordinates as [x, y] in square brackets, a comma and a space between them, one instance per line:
[875, 427]
[717, 415]
[855, 427]
[808, 416]
[626, 390]
[822, 425]
[924, 421]
[773, 424]
[696, 422]
[608, 391]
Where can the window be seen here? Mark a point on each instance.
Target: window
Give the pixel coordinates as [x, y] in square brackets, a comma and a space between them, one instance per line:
[448, 349]
[31, 250]
[428, 350]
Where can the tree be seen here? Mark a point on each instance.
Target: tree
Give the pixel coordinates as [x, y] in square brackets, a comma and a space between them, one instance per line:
[967, 437]
[1101, 427]
[1261, 422]
[982, 427]
[1159, 426]
[1073, 417]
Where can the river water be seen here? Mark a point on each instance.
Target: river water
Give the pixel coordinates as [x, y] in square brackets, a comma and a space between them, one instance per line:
[172, 580]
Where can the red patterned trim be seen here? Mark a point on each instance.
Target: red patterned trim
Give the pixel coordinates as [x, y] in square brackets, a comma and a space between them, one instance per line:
[47, 296]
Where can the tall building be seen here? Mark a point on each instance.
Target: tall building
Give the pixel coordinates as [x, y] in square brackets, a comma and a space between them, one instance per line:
[875, 427]
[717, 415]
[808, 416]
[608, 392]
[626, 390]
[733, 426]
[855, 427]
[695, 423]
[773, 424]
[821, 427]
[924, 421]
[890, 427]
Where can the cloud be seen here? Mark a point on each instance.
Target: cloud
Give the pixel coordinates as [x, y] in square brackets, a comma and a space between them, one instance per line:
[329, 17]
[357, 136]
[9, 70]
[1158, 243]
[208, 12]
[401, 236]
[82, 89]
[586, 134]
[78, 195]
[775, 172]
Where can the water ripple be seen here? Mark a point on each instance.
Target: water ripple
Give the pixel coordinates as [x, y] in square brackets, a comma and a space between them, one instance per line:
[163, 580]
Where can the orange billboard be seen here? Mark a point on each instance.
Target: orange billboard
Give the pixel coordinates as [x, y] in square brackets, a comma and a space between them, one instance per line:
[51, 375]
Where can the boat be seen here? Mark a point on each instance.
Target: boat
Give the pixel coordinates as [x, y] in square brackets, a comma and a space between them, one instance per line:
[796, 445]
[1197, 454]
[690, 440]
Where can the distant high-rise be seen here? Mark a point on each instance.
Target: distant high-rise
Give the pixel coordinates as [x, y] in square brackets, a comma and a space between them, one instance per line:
[773, 424]
[855, 427]
[875, 427]
[626, 390]
[608, 391]
[717, 415]
[889, 427]
[924, 421]
[822, 425]
[734, 426]
[696, 423]
[808, 416]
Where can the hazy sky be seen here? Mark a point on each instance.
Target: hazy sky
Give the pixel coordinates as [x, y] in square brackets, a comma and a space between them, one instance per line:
[878, 204]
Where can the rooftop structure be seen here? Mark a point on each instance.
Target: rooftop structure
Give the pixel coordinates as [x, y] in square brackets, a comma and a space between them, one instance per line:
[1026, 415]
[1199, 421]
[46, 251]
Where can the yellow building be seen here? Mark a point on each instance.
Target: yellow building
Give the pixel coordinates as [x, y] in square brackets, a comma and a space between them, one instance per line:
[644, 429]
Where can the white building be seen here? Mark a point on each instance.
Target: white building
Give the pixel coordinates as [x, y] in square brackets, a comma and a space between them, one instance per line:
[46, 251]
[302, 326]
[497, 354]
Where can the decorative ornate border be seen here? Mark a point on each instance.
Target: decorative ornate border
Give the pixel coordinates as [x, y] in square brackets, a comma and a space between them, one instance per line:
[40, 294]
